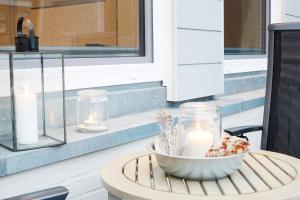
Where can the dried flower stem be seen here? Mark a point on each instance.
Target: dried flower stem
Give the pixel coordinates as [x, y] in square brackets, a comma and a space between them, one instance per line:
[168, 134]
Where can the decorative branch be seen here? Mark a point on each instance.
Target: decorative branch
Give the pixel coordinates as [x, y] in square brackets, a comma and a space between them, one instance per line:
[166, 142]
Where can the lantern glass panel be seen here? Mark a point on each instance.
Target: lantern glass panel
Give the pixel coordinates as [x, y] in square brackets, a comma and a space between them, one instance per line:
[37, 106]
[5, 103]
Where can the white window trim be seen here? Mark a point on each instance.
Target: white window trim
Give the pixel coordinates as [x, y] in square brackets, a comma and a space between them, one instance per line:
[251, 63]
[245, 65]
[78, 77]
[104, 75]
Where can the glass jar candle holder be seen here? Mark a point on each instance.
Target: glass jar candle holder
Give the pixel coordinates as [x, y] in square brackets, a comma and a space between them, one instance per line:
[92, 110]
[199, 127]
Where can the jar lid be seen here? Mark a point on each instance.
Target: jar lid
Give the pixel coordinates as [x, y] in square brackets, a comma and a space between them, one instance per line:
[92, 93]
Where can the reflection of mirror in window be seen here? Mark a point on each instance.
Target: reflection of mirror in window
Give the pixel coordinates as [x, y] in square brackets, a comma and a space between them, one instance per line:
[244, 27]
[82, 28]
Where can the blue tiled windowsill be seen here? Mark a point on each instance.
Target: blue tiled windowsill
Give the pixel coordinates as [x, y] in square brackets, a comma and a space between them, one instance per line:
[123, 130]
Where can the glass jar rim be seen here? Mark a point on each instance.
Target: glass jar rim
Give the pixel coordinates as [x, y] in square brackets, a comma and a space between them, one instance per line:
[198, 106]
[92, 93]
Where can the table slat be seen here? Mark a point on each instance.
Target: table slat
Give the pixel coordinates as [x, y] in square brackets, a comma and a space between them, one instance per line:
[281, 175]
[242, 184]
[252, 178]
[177, 185]
[160, 181]
[129, 169]
[227, 187]
[262, 172]
[284, 166]
[195, 187]
[211, 188]
[144, 171]
[258, 173]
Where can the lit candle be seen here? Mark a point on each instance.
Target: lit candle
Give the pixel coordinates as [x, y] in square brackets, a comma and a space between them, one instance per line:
[197, 143]
[92, 124]
[26, 117]
[91, 121]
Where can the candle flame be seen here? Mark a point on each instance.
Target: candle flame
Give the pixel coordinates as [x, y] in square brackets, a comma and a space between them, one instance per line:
[92, 118]
[26, 89]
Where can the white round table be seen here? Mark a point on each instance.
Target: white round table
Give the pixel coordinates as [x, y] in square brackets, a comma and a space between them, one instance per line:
[263, 175]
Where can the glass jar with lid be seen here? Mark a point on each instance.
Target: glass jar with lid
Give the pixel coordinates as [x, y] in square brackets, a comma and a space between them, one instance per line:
[92, 110]
[199, 127]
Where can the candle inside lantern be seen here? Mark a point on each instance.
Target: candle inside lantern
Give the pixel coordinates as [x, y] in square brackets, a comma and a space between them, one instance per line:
[26, 117]
[198, 142]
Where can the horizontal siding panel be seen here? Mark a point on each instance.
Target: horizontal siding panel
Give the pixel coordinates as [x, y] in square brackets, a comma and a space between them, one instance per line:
[289, 18]
[196, 46]
[200, 14]
[201, 80]
[292, 7]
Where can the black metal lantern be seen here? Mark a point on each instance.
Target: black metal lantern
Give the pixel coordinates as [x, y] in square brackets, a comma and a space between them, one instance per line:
[32, 100]
[23, 42]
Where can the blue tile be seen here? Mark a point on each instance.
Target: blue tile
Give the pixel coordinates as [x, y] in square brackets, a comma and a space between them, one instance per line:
[243, 82]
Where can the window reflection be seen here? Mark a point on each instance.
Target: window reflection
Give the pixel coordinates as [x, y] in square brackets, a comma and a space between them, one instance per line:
[105, 28]
[244, 27]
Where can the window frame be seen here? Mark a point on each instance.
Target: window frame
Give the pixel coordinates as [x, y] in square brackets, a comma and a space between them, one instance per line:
[102, 72]
[147, 44]
[247, 63]
[266, 20]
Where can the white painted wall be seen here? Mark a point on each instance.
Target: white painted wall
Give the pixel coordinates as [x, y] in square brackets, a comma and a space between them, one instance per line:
[292, 11]
[285, 11]
[199, 49]
[277, 11]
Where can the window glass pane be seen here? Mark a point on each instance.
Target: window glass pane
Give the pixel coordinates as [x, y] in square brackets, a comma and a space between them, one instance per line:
[244, 27]
[82, 28]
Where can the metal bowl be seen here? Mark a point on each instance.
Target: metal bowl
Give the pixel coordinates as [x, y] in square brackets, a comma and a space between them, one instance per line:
[209, 168]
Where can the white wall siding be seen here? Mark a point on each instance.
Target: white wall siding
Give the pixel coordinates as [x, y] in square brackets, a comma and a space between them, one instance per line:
[200, 80]
[292, 7]
[194, 14]
[292, 11]
[198, 71]
[197, 46]
[289, 18]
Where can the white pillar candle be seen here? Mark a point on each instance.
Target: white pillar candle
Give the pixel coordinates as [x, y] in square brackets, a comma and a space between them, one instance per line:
[26, 117]
[197, 143]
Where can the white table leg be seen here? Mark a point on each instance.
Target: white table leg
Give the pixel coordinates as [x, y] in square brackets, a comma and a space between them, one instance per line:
[113, 197]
